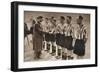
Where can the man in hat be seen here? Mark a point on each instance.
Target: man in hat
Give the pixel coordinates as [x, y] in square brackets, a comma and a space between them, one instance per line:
[38, 38]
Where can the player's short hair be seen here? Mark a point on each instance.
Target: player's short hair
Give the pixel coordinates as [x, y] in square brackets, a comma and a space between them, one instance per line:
[80, 17]
[62, 17]
[39, 17]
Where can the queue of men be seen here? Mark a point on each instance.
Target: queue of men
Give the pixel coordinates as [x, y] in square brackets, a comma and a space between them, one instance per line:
[56, 36]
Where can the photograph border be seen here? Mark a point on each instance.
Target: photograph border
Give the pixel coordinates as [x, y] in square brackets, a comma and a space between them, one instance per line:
[14, 35]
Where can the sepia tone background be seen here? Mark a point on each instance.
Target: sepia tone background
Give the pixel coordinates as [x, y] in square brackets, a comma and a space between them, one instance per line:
[30, 15]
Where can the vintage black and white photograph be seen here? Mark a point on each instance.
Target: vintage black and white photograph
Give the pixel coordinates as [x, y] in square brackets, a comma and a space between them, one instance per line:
[56, 36]
[53, 36]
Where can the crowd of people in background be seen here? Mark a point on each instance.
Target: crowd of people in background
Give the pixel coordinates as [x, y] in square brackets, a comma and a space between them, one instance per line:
[58, 36]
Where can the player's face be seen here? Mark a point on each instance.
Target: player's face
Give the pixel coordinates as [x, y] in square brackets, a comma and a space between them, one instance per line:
[79, 21]
[46, 19]
[41, 19]
[62, 21]
[68, 20]
[54, 22]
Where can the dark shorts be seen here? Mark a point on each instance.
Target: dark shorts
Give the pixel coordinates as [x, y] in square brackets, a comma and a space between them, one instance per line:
[79, 47]
[47, 36]
[68, 42]
[60, 39]
[52, 37]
